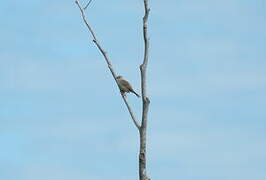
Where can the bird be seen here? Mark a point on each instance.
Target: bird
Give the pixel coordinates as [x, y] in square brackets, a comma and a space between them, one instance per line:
[125, 86]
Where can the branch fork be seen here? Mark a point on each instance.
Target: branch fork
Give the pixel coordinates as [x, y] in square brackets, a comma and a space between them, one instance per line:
[143, 68]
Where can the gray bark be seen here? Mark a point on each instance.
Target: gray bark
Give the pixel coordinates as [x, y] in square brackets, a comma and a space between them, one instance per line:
[145, 99]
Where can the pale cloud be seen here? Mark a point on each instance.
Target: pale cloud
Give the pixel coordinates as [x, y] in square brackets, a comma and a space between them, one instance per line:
[56, 172]
[206, 67]
[230, 153]
[48, 75]
[210, 83]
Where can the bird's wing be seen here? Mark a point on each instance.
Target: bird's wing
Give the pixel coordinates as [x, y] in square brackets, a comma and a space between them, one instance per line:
[126, 84]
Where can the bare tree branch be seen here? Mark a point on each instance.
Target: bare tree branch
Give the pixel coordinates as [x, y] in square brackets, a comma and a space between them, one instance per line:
[104, 53]
[87, 5]
[145, 99]
[131, 113]
[143, 69]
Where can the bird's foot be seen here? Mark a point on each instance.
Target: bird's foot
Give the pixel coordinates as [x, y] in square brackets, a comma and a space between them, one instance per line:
[124, 94]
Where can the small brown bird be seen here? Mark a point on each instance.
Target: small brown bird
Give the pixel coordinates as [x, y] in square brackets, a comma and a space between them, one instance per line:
[124, 86]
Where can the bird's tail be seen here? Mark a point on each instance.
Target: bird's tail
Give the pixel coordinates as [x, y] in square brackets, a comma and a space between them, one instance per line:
[136, 93]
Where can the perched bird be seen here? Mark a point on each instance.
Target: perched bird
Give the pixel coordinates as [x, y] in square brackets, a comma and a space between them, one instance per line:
[124, 86]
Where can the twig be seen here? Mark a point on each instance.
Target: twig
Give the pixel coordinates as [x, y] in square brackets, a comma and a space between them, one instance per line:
[104, 53]
[87, 5]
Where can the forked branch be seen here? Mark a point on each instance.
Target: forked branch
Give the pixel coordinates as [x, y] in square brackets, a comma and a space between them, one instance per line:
[87, 5]
[104, 53]
[143, 69]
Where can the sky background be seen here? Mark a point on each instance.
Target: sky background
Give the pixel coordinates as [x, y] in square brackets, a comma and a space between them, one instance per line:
[61, 115]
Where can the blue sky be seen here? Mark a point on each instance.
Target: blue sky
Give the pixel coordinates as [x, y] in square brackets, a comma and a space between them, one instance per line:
[61, 116]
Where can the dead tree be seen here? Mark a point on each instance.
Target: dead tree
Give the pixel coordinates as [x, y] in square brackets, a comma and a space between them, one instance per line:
[142, 125]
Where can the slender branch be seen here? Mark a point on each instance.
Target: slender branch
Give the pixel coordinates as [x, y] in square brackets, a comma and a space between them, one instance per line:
[87, 5]
[145, 99]
[131, 113]
[104, 53]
